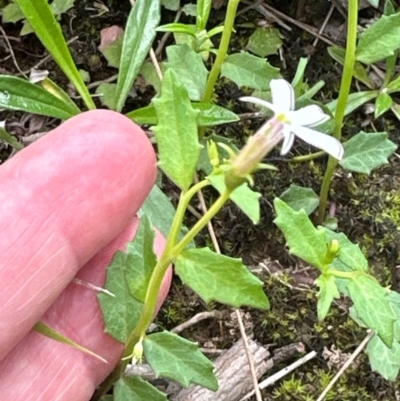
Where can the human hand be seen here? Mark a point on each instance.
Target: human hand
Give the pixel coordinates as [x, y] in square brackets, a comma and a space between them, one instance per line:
[69, 200]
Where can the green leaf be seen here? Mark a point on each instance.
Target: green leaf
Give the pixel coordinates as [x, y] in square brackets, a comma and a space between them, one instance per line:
[303, 239]
[245, 69]
[354, 101]
[350, 256]
[12, 13]
[19, 94]
[298, 80]
[220, 278]
[265, 41]
[210, 115]
[383, 359]
[121, 311]
[388, 8]
[374, 3]
[190, 10]
[189, 67]
[8, 138]
[203, 12]
[245, 198]
[150, 75]
[382, 104]
[61, 6]
[159, 209]
[328, 291]
[394, 301]
[183, 38]
[300, 198]
[136, 389]
[174, 357]
[139, 34]
[179, 28]
[107, 94]
[367, 151]
[372, 306]
[142, 259]
[172, 5]
[40, 16]
[107, 397]
[57, 91]
[176, 132]
[26, 29]
[396, 110]
[47, 331]
[394, 86]
[144, 116]
[380, 40]
[360, 73]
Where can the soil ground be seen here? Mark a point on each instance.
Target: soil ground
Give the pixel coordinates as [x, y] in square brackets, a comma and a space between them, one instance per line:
[366, 206]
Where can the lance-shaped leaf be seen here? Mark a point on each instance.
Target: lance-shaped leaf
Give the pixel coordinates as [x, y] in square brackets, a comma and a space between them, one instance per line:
[19, 94]
[380, 40]
[42, 20]
[354, 101]
[57, 336]
[176, 132]
[176, 358]
[359, 72]
[136, 389]
[382, 104]
[383, 359]
[121, 311]
[372, 306]
[8, 138]
[328, 291]
[303, 239]
[210, 115]
[142, 259]
[220, 278]
[139, 35]
[367, 151]
[189, 66]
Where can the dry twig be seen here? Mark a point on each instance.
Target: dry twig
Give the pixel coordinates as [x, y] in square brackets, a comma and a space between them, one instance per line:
[346, 364]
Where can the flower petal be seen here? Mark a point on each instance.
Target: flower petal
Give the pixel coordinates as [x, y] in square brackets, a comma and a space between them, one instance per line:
[327, 143]
[282, 95]
[260, 102]
[288, 139]
[308, 116]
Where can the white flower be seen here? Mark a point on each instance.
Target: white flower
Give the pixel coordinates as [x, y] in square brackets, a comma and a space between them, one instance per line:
[297, 122]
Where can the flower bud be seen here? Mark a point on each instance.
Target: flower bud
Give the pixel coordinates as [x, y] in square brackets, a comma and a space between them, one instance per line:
[257, 147]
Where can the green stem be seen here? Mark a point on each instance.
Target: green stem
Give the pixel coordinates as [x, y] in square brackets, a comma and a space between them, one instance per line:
[169, 255]
[222, 51]
[340, 274]
[345, 84]
[211, 212]
[306, 158]
[180, 213]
